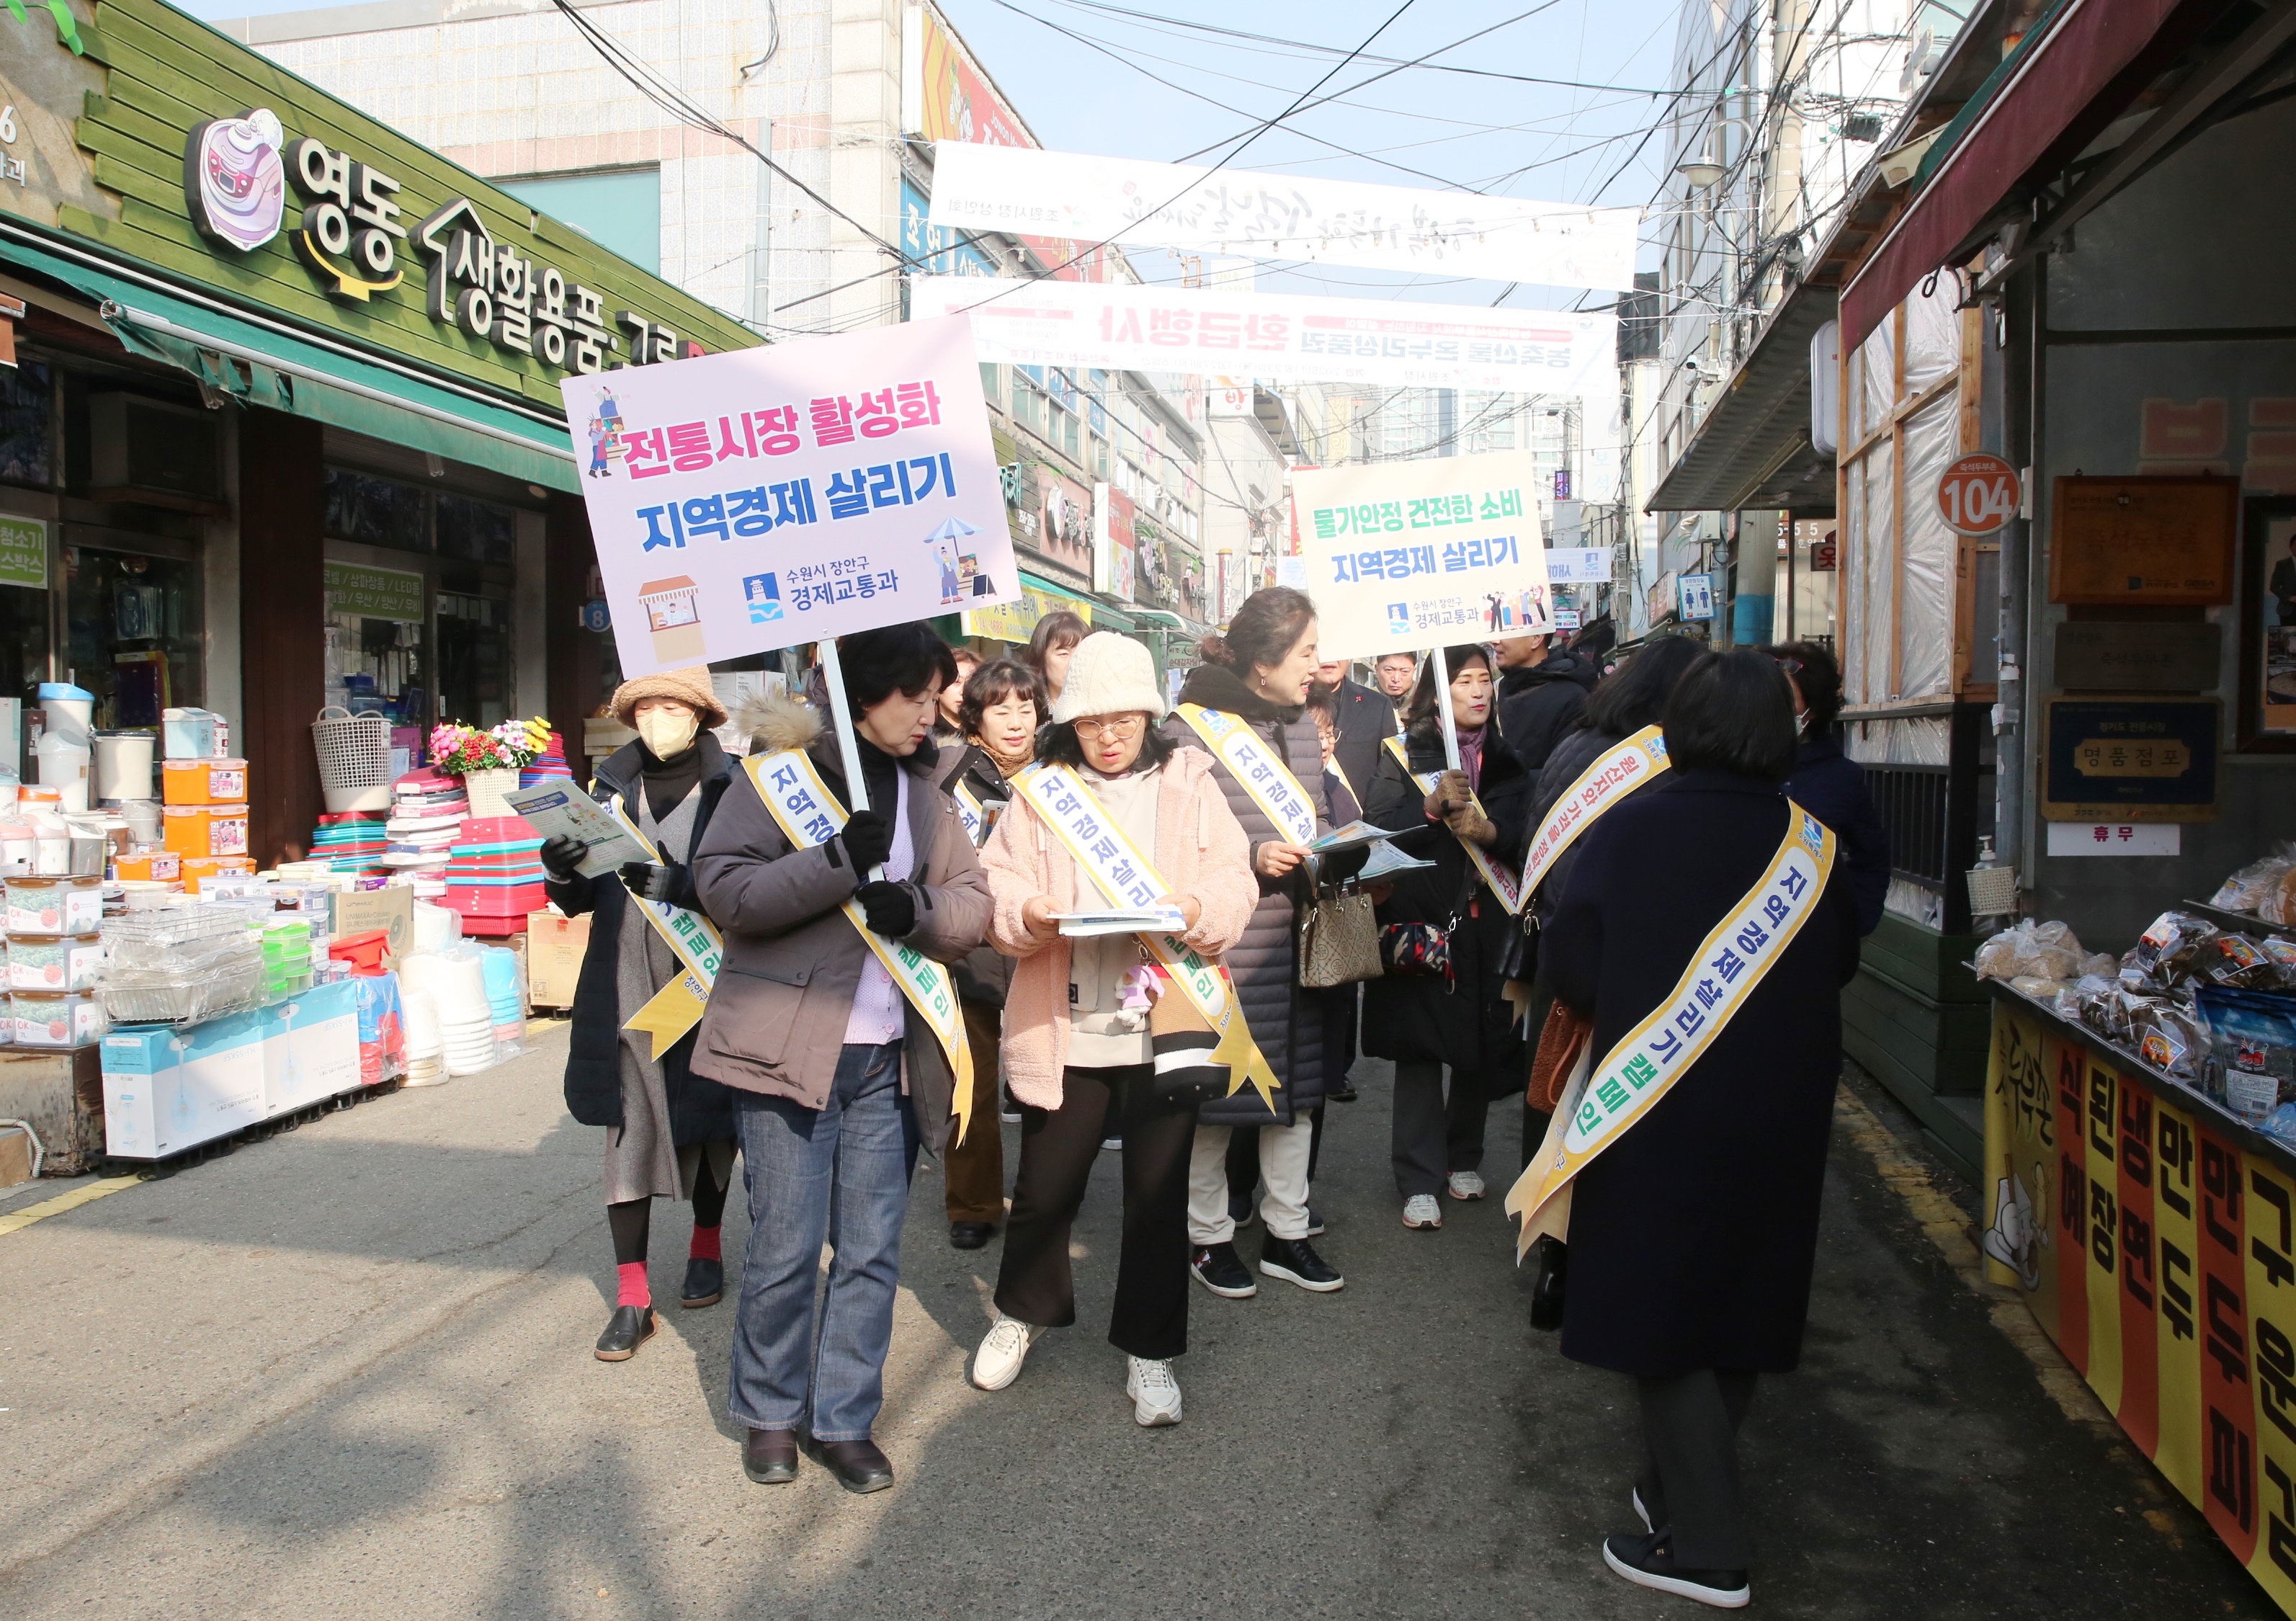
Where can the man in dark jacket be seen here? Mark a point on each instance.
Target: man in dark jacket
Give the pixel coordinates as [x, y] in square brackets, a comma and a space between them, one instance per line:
[1366, 720]
[1542, 694]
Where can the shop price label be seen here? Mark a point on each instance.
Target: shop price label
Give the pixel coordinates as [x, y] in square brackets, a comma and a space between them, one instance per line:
[1978, 494]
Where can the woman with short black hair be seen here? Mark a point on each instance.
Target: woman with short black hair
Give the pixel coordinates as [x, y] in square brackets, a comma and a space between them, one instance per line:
[1830, 785]
[1052, 644]
[1692, 1235]
[837, 1080]
[1458, 1017]
[998, 715]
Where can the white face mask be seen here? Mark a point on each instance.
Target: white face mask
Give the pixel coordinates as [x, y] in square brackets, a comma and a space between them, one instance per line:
[668, 733]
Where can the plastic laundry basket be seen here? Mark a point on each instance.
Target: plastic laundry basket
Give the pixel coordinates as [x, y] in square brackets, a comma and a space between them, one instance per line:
[353, 759]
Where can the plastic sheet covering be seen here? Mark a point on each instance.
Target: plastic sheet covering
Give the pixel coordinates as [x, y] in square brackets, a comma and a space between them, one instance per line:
[1876, 382]
[1924, 740]
[1925, 603]
[1877, 571]
[1932, 338]
[1915, 901]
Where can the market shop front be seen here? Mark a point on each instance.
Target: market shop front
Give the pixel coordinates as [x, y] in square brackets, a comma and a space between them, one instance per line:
[2089, 216]
[285, 426]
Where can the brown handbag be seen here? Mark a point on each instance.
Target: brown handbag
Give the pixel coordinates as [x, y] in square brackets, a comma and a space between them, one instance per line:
[1338, 940]
[1561, 1040]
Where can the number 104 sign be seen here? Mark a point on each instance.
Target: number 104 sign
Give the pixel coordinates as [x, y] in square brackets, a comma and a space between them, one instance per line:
[1978, 494]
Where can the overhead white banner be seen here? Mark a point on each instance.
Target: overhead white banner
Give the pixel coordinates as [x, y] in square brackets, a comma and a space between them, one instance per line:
[1116, 327]
[1015, 189]
[1579, 565]
[1404, 556]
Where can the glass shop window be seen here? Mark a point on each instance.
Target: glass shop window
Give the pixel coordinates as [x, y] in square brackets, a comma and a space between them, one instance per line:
[27, 426]
[134, 625]
[476, 531]
[377, 511]
[476, 658]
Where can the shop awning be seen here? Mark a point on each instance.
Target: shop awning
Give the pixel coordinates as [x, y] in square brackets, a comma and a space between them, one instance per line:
[1753, 449]
[2078, 68]
[1014, 622]
[264, 364]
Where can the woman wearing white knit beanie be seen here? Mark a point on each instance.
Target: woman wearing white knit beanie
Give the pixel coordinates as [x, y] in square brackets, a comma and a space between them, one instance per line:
[1076, 1045]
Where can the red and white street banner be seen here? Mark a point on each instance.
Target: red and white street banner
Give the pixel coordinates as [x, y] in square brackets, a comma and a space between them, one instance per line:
[1118, 327]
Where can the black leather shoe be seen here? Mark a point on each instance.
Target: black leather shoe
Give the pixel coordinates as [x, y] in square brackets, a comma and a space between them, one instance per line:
[769, 1456]
[630, 1327]
[705, 1282]
[1295, 1261]
[859, 1466]
[1547, 1290]
[1344, 1093]
[971, 1235]
[1648, 1561]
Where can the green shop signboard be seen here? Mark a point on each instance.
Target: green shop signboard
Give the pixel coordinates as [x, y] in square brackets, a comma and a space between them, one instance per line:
[231, 172]
[24, 552]
[375, 594]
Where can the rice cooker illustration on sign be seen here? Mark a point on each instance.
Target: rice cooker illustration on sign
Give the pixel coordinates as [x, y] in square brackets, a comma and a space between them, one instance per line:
[234, 182]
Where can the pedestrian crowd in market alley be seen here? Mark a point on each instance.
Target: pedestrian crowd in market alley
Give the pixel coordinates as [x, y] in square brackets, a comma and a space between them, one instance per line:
[1617, 885]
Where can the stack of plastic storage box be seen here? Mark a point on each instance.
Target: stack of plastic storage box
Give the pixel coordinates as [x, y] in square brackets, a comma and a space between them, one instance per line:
[54, 958]
[204, 814]
[495, 878]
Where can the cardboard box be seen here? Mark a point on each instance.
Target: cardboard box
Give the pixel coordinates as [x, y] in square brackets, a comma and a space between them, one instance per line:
[15, 1155]
[311, 1047]
[358, 911]
[166, 1090]
[554, 958]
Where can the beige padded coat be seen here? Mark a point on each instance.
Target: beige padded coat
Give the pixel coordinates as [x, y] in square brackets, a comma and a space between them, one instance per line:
[1201, 851]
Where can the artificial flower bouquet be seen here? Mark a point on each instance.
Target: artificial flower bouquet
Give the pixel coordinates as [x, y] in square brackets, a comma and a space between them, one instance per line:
[459, 751]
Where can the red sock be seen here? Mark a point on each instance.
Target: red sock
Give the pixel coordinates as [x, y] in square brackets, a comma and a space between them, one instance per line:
[634, 1290]
[705, 1244]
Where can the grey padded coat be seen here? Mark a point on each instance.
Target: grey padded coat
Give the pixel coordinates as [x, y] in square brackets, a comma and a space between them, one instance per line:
[1286, 1021]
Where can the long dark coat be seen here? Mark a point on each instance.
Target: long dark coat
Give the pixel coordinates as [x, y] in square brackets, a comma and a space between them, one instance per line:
[701, 1110]
[1832, 787]
[1286, 1021]
[1692, 1237]
[1464, 1021]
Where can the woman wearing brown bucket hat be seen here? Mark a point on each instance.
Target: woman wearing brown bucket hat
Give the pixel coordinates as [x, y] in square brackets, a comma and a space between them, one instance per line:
[669, 1131]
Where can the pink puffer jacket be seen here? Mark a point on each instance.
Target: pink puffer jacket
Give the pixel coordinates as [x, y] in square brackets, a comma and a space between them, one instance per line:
[1201, 851]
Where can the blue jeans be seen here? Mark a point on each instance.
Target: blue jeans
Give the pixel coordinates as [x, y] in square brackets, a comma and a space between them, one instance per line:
[840, 1174]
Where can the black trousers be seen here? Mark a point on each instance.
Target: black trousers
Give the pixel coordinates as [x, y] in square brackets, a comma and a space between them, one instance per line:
[1690, 1475]
[1057, 1147]
[1431, 1133]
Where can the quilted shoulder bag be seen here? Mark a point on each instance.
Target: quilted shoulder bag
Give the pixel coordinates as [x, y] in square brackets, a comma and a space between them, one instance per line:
[1337, 939]
[1422, 950]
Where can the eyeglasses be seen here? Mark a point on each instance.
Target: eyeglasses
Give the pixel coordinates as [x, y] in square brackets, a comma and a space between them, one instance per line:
[1122, 726]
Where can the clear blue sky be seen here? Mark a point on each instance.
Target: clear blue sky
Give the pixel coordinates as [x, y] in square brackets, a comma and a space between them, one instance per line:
[1149, 85]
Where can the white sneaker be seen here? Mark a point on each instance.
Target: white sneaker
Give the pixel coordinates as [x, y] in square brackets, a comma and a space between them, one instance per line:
[1155, 1393]
[1005, 1347]
[1466, 1185]
[1421, 1210]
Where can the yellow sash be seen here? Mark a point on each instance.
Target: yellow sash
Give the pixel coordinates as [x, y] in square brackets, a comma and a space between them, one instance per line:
[810, 815]
[1614, 775]
[969, 811]
[1645, 1064]
[676, 1008]
[1502, 880]
[1251, 763]
[1063, 802]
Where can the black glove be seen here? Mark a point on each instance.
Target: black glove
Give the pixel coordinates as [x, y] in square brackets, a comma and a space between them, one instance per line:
[867, 838]
[891, 909]
[561, 857]
[650, 882]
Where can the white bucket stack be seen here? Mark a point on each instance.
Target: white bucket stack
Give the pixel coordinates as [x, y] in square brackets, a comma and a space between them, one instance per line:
[426, 1041]
[456, 983]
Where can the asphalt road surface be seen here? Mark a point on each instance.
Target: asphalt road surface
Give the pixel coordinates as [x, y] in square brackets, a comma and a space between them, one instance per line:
[346, 1372]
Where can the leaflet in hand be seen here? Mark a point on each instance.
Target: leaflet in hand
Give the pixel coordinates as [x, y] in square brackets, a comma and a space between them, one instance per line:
[1121, 919]
[560, 808]
[1385, 861]
[1352, 837]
